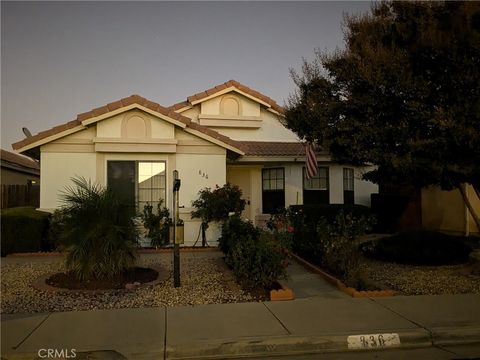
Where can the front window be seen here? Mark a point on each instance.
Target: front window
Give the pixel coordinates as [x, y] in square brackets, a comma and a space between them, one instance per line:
[348, 191]
[273, 190]
[138, 182]
[316, 189]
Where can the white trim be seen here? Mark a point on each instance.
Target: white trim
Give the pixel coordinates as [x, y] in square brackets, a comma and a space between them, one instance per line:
[51, 138]
[134, 141]
[227, 90]
[213, 140]
[131, 107]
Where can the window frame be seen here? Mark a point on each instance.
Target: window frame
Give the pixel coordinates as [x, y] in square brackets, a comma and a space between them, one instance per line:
[137, 182]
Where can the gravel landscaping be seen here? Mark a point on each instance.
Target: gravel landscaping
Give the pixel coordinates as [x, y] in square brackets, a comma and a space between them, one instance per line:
[422, 280]
[205, 280]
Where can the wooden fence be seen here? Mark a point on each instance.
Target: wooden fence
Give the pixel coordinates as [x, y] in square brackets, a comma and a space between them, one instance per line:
[20, 195]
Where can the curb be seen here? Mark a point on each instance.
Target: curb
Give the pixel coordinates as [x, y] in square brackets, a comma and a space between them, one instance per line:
[283, 346]
[340, 285]
[455, 335]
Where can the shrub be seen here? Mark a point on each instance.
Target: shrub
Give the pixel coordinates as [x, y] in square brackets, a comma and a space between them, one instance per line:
[217, 205]
[258, 262]
[24, 229]
[97, 231]
[157, 224]
[256, 257]
[338, 246]
[234, 230]
[418, 248]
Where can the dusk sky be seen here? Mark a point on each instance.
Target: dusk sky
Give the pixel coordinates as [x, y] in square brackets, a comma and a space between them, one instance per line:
[59, 59]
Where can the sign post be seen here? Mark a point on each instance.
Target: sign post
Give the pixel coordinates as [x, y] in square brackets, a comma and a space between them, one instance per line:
[176, 245]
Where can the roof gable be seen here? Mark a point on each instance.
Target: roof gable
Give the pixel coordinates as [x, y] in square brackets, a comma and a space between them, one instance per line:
[117, 107]
[229, 86]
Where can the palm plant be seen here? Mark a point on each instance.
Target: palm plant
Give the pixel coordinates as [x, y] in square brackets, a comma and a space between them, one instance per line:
[97, 231]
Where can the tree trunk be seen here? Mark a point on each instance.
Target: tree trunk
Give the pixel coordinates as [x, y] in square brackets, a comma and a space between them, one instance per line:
[477, 191]
[204, 236]
[469, 206]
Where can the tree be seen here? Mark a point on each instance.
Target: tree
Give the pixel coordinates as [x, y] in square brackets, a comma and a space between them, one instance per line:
[217, 205]
[403, 95]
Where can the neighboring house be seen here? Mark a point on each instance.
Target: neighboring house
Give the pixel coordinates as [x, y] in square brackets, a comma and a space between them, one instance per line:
[229, 133]
[20, 178]
[18, 169]
[446, 210]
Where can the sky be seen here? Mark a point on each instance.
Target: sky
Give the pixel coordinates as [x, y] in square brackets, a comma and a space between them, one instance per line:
[59, 59]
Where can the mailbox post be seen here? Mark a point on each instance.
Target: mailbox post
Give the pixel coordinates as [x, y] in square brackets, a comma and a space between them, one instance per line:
[176, 245]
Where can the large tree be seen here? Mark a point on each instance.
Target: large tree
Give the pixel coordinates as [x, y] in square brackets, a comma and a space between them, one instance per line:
[403, 95]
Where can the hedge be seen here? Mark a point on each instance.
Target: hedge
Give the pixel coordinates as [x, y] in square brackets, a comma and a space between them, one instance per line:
[24, 229]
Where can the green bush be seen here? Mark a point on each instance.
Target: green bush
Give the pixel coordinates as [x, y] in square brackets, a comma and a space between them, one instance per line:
[256, 257]
[158, 225]
[314, 213]
[97, 231]
[419, 248]
[235, 229]
[340, 254]
[24, 229]
[258, 262]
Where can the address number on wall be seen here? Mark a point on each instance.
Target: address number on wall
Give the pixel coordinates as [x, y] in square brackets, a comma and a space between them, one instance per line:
[373, 341]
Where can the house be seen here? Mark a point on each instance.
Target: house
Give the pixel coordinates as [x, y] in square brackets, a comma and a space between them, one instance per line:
[20, 178]
[227, 133]
[446, 210]
[18, 169]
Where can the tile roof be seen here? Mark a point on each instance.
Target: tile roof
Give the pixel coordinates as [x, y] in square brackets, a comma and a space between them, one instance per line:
[272, 148]
[17, 160]
[133, 99]
[230, 83]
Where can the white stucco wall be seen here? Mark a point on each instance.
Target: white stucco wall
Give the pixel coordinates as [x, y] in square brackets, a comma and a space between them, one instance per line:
[363, 189]
[57, 171]
[271, 130]
[198, 172]
[293, 184]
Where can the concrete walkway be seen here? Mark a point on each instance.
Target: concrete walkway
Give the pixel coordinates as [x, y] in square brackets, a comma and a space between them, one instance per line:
[307, 284]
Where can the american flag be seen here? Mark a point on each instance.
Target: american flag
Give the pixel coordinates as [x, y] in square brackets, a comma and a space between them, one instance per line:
[311, 161]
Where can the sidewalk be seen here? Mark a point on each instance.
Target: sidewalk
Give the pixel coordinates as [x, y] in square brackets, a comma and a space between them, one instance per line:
[309, 325]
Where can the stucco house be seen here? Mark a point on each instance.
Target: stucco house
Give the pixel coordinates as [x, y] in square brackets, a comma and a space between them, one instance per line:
[228, 133]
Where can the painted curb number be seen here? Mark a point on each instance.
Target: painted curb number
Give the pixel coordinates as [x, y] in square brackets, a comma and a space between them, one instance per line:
[373, 341]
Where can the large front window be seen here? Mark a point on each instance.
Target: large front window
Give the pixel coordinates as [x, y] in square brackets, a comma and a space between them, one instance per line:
[138, 182]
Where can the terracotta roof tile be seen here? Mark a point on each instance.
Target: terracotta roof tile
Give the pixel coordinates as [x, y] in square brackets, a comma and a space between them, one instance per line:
[100, 110]
[273, 148]
[19, 160]
[230, 83]
[133, 99]
[114, 105]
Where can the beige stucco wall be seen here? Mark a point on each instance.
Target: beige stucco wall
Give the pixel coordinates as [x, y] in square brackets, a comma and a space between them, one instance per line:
[271, 130]
[445, 210]
[198, 171]
[248, 107]
[57, 171]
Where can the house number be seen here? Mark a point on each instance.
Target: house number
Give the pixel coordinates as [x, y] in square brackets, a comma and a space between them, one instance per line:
[373, 341]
